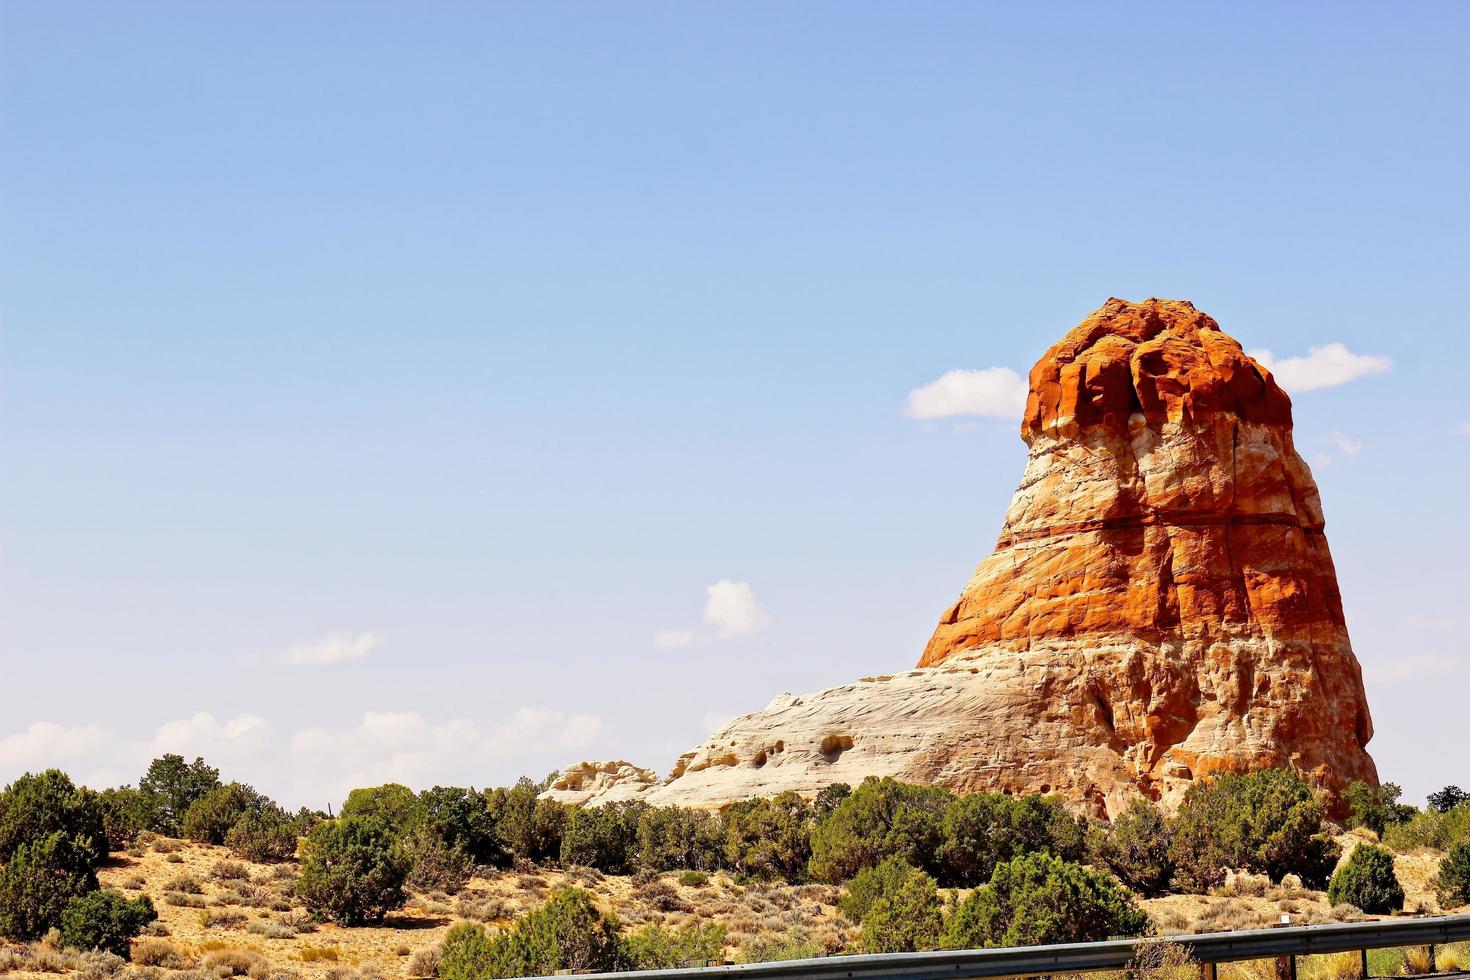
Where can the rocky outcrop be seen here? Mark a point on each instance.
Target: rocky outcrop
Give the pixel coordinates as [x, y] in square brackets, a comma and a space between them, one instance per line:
[1160, 606]
[605, 782]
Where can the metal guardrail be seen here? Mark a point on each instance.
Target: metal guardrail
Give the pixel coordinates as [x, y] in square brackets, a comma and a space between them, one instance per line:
[1207, 948]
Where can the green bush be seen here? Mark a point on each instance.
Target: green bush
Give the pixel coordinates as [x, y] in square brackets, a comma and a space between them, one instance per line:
[36, 807]
[603, 837]
[1437, 829]
[871, 884]
[904, 917]
[1366, 879]
[769, 839]
[982, 830]
[1376, 807]
[673, 838]
[828, 799]
[1267, 822]
[882, 818]
[170, 787]
[466, 953]
[434, 864]
[124, 816]
[210, 818]
[694, 879]
[38, 880]
[794, 944]
[462, 820]
[353, 871]
[105, 920]
[393, 803]
[1454, 876]
[1135, 847]
[566, 933]
[655, 947]
[264, 834]
[529, 828]
[1038, 898]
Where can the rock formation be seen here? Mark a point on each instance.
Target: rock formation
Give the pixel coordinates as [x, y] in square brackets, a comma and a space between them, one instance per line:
[1161, 604]
[605, 782]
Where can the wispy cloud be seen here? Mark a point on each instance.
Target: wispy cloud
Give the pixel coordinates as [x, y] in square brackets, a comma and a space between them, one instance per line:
[996, 392]
[1321, 367]
[334, 648]
[731, 608]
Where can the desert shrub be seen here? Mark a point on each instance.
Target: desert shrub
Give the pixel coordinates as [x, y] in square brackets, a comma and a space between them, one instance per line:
[1453, 883]
[229, 871]
[603, 837]
[904, 916]
[769, 838]
[1267, 822]
[393, 803]
[232, 963]
[38, 880]
[794, 944]
[170, 787]
[694, 879]
[828, 798]
[187, 884]
[37, 807]
[530, 829]
[871, 884]
[1376, 807]
[353, 871]
[425, 963]
[881, 818]
[1436, 829]
[210, 818]
[566, 933]
[124, 816]
[466, 953]
[435, 864]
[1135, 847]
[656, 948]
[263, 834]
[672, 838]
[159, 952]
[982, 830]
[1038, 898]
[462, 819]
[1445, 800]
[271, 930]
[490, 908]
[105, 920]
[1366, 879]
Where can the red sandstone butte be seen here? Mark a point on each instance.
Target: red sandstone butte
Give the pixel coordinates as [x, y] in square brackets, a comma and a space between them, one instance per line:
[1160, 606]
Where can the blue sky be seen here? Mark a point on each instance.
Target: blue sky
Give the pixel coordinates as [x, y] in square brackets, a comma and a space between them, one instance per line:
[467, 346]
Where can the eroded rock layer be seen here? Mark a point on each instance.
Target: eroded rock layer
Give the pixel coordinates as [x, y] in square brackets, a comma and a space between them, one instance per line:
[1161, 604]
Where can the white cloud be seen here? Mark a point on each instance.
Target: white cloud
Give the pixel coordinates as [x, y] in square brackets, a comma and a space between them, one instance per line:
[671, 639]
[334, 648]
[236, 739]
[45, 745]
[1322, 460]
[1464, 429]
[732, 608]
[1323, 367]
[996, 392]
[1348, 447]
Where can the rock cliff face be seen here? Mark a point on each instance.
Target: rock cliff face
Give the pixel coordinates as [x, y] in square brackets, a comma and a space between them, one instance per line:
[1161, 604]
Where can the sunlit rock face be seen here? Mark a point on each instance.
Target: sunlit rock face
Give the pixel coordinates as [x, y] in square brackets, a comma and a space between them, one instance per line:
[1160, 606]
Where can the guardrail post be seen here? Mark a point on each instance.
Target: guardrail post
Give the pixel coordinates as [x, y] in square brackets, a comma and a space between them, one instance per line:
[1431, 959]
[1364, 954]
